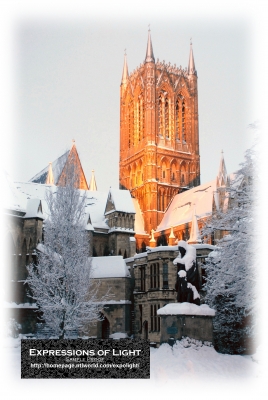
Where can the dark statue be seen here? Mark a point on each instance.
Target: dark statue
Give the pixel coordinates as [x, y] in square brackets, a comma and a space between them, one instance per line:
[187, 285]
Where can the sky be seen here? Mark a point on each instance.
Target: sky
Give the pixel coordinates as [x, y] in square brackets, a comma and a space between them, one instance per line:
[66, 69]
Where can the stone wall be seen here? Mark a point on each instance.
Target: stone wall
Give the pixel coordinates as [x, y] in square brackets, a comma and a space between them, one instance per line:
[198, 327]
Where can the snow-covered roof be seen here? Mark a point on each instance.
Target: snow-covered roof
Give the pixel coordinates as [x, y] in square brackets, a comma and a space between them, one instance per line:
[13, 198]
[185, 309]
[139, 221]
[109, 267]
[121, 200]
[34, 209]
[183, 205]
[95, 201]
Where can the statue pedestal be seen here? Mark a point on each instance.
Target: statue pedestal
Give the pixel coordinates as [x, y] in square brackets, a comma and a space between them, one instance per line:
[186, 319]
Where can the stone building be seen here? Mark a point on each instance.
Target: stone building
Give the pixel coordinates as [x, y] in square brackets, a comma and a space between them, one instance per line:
[133, 230]
[154, 285]
[159, 138]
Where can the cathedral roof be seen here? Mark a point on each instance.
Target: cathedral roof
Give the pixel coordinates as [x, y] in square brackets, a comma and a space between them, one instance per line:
[55, 172]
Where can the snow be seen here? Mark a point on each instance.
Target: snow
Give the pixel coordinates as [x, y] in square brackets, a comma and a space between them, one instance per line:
[161, 248]
[13, 199]
[21, 305]
[182, 207]
[109, 267]
[195, 363]
[122, 200]
[189, 368]
[139, 221]
[190, 256]
[32, 210]
[195, 292]
[119, 335]
[186, 309]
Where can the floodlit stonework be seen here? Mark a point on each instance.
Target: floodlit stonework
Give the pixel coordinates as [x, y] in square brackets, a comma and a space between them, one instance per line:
[159, 139]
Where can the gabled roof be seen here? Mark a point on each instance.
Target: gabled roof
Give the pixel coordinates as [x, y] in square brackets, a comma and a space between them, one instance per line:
[58, 169]
[34, 209]
[119, 200]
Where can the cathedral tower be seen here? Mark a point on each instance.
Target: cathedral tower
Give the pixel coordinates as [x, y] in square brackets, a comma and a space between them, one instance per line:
[159, 140]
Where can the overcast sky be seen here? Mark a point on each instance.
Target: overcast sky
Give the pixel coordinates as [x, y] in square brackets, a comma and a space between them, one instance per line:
[66, 76]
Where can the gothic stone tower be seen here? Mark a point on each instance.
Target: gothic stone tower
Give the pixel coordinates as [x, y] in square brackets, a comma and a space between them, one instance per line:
[159, 140]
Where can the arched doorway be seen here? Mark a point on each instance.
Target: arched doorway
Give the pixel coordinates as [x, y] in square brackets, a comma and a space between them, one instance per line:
[105, 329]
[145, 330]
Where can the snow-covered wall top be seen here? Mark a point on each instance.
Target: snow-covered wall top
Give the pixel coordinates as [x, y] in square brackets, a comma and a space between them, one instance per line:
[186, 309]
[109, 267]
[183, 205]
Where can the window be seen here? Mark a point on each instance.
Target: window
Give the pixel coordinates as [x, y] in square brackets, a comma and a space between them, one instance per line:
[160, 116]
[142, 279]
[154, 276]
[167, 118]
[155, 320]
[177, 119]
[165, 275]
[183, 122]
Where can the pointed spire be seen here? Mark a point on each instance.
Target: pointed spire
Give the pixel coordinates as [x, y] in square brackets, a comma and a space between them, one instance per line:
[93, 185]
[195, 234]
[50, 177]
[171, 238]
[149, 52]
[125, 71]
[191, 65]
[222, 178]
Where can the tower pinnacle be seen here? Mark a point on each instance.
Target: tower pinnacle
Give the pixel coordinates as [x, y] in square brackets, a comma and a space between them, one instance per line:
[191, 65]
[149, 52]
[93, 185]
[50, 177]
[222, 177]
[125, 71]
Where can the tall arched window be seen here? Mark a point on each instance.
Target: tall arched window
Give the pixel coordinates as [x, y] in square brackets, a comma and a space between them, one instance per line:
[160, 116]
[166, 117]
[141, 118]
[130, 125]
[177, 119]
[183, 122]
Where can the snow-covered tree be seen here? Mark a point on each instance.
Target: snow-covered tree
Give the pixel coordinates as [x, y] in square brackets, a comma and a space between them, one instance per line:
[231, 270]
[61, 282]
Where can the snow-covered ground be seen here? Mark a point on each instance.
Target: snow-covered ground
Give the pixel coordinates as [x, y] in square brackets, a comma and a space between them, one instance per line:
[188, 369]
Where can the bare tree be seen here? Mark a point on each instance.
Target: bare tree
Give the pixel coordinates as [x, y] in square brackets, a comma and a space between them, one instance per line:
[61, 282]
